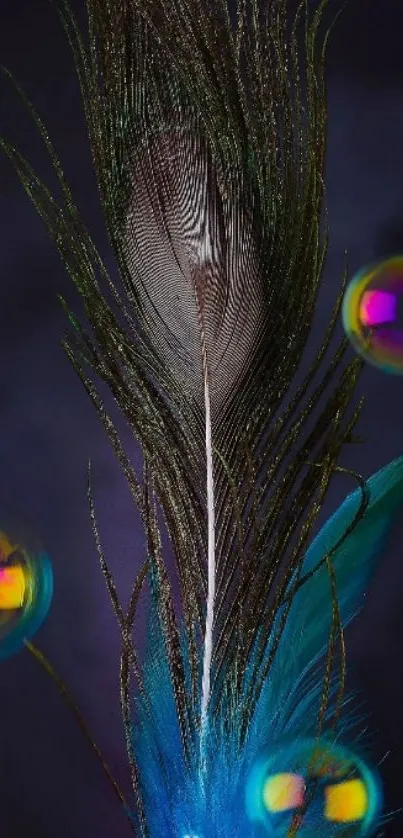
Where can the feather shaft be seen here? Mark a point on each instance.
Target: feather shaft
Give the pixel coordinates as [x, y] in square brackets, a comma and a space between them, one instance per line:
[211, 566]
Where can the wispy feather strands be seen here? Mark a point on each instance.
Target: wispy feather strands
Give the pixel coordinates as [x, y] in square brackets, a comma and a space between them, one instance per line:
[208, 134]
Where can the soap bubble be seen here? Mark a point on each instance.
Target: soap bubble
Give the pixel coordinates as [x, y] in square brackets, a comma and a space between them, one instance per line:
[26, 586]
[372, 314]
[320, 785]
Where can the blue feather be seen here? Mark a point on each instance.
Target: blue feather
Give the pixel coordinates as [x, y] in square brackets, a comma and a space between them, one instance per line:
[177, 803]
[306, 633]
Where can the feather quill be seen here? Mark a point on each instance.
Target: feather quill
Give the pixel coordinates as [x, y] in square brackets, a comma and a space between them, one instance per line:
[207, 126]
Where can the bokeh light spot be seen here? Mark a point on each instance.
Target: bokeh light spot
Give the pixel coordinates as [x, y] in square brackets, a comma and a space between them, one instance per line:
[372, 314]
[26, 587]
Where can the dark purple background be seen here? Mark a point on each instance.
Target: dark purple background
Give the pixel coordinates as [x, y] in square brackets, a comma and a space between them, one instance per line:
[50, 783]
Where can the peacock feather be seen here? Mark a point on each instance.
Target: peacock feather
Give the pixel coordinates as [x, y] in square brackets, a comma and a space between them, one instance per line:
[207, 124]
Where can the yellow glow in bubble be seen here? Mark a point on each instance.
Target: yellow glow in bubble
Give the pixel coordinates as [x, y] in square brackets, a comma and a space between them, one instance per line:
[12, 588]
[346, 802]
[283, 791]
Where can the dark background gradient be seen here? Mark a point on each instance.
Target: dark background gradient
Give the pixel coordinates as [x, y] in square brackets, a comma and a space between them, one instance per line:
[50, 783]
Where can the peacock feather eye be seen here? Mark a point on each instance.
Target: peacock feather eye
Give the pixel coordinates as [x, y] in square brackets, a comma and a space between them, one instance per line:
[323, 785]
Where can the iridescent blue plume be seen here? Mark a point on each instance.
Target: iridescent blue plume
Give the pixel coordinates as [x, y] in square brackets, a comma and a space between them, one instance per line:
[286, 711]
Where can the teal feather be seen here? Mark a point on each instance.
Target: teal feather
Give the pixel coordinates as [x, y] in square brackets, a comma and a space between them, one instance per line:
[354, 561]
[305, 637]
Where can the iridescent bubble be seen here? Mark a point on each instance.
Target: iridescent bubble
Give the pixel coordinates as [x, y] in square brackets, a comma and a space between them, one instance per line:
[26, 587]
[316, 784]
[373, 314]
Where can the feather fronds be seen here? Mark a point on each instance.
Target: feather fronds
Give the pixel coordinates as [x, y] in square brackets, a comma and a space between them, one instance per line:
[208, 135]
[286, 700]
